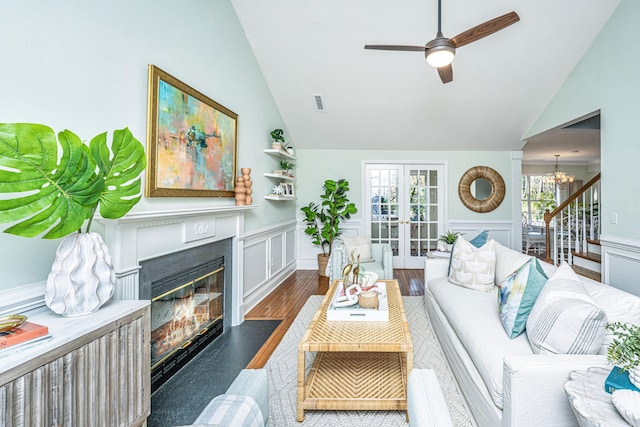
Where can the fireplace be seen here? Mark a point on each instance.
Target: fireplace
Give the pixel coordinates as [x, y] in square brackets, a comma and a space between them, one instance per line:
[190, 303]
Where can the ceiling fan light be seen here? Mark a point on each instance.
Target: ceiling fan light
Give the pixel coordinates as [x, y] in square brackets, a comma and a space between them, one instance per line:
[439, 52]
[441, 57]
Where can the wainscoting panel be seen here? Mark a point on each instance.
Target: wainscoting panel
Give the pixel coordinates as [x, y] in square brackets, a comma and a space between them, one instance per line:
[267, 261]
[621, 263]
[255, 266]
[501, 231]
[277, 251]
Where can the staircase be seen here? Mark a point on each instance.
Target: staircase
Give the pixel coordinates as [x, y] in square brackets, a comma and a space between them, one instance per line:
[573, 230]
[589, 263]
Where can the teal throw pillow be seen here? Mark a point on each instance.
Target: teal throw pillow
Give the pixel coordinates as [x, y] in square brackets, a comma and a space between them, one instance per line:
[518, 292]
[480, 240]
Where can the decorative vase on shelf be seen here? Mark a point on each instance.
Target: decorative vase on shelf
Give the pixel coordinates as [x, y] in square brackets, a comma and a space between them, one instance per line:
[82, 277]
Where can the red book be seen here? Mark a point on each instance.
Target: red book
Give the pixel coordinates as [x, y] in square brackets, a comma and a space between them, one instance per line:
[25, 332]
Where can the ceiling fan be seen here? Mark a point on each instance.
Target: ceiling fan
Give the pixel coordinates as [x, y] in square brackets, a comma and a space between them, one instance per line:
[441, 50]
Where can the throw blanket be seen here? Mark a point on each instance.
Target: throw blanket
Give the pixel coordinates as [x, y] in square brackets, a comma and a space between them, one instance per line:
[230, 410]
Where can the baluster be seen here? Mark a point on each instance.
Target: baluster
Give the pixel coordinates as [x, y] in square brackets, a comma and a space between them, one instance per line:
[584, 222]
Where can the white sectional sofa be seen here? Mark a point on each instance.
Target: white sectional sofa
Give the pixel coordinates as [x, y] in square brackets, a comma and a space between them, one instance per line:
[502, 380]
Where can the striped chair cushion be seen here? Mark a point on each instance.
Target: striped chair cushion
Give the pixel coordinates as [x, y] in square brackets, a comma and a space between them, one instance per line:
[564, 319]
[230, 410]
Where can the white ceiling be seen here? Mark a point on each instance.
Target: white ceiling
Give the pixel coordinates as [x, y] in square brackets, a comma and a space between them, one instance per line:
[395, 100]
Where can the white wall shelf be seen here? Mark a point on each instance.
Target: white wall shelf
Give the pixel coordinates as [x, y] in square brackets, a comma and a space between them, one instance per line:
[279, 198]
[286, 181]
[277, 176]
[279, 153]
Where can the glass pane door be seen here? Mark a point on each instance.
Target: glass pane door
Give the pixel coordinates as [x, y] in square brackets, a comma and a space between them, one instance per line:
[404, 209]
[383, 208]
[424, 213]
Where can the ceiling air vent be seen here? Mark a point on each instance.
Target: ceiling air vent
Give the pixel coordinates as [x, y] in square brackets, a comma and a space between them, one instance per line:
[317, 100]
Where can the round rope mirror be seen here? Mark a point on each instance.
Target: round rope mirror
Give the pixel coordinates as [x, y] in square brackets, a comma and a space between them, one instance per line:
[467, 183]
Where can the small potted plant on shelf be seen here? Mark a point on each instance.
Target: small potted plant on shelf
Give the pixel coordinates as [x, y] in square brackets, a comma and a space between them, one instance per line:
[323, 220]
[624, 350]
[449, 239]
[287, 167]
[277, 135]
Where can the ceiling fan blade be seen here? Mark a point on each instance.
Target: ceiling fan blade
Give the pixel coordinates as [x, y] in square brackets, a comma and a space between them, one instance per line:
[446, 73]
[485, 29]
[395, 47]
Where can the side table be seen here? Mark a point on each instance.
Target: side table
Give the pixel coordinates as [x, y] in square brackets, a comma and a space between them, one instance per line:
[592, 405]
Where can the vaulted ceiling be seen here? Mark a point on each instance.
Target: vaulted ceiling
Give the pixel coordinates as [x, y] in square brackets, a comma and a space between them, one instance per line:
[395, 100]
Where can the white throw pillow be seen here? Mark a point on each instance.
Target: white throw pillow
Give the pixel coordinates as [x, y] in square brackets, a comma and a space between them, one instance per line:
[359, 245]
[618, 306]
[508, 261]
[564, 318]
[473, 267]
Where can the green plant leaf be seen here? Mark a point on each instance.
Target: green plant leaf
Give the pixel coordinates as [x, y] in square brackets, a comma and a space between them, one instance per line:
[121, 172]
[44, 194]
[55, 196]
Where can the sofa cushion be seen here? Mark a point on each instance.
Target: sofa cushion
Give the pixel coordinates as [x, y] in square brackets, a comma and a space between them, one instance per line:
[518, 292]
[564, 318]
[507, 261]
[473, 267]
[232, 410]
[358, 245]
[474, 318]
[617, 305]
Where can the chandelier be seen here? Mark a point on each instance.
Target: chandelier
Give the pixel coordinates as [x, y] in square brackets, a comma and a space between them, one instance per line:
[560, 179]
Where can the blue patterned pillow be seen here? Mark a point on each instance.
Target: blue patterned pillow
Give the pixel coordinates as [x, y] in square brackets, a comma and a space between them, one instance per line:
[480, 239]
[518, 293]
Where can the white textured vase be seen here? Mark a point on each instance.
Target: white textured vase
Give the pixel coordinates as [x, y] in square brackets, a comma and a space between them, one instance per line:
[82, 277]
[634, 376]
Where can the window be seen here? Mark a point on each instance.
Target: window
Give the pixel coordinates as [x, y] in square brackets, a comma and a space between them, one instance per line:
[537, 195]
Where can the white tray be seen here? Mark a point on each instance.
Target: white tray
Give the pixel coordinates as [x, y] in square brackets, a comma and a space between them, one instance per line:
[355, 313]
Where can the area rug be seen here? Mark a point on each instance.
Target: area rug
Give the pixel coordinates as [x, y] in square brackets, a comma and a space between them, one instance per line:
[282, 367]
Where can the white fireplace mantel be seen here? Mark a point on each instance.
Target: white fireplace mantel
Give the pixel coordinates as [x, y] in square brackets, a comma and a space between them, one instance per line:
[140, 236]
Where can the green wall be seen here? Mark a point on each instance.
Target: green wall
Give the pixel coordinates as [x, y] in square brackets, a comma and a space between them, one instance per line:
[82, 65]
[314, 166]
[608, 78]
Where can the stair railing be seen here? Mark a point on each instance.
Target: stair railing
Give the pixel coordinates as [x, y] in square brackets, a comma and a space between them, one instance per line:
[573, 223]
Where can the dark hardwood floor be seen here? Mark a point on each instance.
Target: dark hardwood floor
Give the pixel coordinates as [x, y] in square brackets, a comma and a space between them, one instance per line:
[286, 300]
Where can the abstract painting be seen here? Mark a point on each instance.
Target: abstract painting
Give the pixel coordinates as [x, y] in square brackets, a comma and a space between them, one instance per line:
[191, 141]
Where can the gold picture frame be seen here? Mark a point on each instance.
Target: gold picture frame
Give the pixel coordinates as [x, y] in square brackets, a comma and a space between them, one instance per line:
[192, 141]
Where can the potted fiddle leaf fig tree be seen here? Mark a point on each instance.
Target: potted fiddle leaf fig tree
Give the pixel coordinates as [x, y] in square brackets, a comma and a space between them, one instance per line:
[323, 219]
[53, 187]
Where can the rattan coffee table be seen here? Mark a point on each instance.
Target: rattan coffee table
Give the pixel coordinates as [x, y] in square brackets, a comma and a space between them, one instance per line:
[359, 365]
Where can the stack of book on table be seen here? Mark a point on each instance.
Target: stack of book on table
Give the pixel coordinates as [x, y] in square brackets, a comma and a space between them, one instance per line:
[21, 337]
[618, 380]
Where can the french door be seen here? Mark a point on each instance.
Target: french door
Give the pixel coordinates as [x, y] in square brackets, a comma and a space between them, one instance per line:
[405, 208]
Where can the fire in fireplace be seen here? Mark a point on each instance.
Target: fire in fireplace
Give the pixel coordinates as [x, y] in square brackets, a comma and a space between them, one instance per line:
[189, 304]
[180, 313]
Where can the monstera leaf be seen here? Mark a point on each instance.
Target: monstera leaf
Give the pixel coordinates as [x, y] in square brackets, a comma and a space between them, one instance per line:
[52, 186]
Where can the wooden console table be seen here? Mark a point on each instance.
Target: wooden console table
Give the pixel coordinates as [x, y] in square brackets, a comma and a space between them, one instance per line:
[95, 371]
